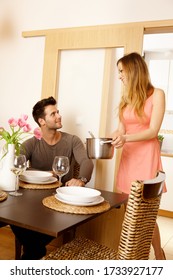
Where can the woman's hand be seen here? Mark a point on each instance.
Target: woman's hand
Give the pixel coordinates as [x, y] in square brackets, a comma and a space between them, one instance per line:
[119, 141]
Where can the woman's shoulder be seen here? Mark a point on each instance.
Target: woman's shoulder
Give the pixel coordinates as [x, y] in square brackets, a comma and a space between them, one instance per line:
[158, 91]
[159, 96]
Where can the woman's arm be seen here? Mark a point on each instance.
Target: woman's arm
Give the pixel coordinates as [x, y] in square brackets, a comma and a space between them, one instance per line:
[119, 131]
[155, 122]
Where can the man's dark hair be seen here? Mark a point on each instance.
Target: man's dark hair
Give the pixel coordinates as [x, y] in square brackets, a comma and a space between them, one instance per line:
[39, 107]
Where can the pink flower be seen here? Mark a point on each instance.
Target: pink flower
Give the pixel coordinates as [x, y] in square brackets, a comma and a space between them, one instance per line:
[13, 122]
[21, 122]
[18, 132]
[24, 117]
[37, 133]
[27, 128]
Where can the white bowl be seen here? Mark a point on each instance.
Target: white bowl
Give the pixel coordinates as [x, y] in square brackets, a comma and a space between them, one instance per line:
[35, 175]
[78, 194]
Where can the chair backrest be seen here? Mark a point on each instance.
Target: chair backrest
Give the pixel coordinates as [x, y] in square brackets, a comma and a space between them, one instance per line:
[140, 218]
[76, 170]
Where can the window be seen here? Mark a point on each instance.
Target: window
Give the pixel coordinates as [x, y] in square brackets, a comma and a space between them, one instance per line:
[160, 66]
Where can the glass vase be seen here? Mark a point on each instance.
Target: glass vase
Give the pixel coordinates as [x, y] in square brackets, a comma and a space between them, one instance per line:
[7, 177]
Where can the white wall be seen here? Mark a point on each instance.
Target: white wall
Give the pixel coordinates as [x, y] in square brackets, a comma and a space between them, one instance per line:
[79, 98]
[21, 59]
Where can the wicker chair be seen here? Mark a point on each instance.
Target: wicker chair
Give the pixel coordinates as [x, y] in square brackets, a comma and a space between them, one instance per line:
[137, 228]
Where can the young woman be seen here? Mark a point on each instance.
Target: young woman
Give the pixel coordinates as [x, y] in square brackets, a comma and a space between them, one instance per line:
[141, 111]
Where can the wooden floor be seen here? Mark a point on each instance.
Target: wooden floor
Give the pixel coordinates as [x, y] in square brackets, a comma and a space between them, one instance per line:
[7, 248]
[6, 244]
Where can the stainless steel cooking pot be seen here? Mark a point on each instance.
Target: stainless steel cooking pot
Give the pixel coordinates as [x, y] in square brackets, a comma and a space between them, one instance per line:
[99, 148]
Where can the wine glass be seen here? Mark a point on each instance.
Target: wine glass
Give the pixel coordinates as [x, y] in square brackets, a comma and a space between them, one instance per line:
[19, 166]
[61, 166]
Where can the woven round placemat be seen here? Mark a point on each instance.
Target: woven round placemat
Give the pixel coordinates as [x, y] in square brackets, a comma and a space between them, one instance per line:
[3, 196]
[39, 186]
[55, 204]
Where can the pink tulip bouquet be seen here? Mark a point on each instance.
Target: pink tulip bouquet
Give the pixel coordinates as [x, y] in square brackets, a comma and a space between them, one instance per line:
[19, 131]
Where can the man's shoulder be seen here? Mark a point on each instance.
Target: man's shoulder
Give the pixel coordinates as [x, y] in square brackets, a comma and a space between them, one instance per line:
[31, 141]
[29, 145]
[69, 136]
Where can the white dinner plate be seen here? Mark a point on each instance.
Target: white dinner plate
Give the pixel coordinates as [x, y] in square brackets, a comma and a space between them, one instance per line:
[36, 175]
[98, 200]
[31, 181]
[78, 194]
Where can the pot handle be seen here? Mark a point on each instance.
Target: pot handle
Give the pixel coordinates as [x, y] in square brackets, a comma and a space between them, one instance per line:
[105, 142]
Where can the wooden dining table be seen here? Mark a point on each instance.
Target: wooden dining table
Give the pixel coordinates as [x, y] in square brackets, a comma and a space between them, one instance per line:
[27, 211]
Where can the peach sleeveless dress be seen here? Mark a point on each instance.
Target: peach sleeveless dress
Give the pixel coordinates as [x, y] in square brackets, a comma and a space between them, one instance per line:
[139, 160]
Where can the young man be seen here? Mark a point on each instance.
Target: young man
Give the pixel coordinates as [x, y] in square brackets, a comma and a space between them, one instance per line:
[41, 154]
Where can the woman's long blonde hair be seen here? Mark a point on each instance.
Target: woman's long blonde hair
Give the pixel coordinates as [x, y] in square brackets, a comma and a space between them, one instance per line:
[138, 87]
